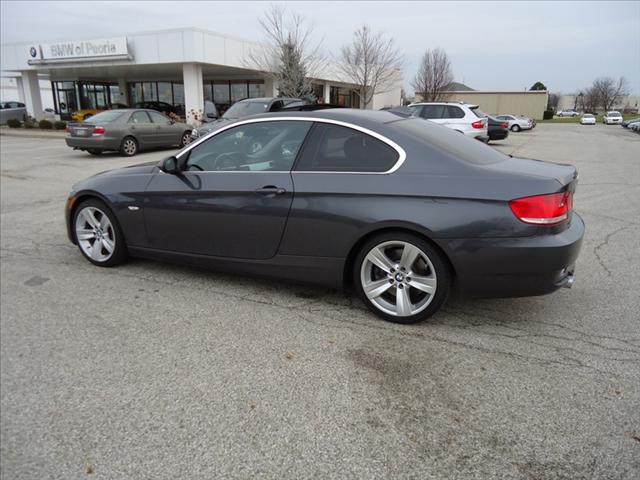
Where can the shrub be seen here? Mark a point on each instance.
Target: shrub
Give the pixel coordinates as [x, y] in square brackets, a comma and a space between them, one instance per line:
[547, 115]
[60, 125]
[13, 123]
[45, 125]
[28, 123]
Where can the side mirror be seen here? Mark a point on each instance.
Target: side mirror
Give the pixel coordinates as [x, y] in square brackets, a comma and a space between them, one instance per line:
[170, 165]
[212, 115]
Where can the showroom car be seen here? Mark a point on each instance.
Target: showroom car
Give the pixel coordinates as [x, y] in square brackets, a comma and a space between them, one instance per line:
[85, 113]
[400, 209]
[457, 116]
[127, 131]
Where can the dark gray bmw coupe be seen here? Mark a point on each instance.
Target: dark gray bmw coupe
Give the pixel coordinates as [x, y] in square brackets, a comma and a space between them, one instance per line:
[399, 208]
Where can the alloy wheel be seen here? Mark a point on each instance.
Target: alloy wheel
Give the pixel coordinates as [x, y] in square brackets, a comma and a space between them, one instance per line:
[398, 278]
[95, 234]
[129, 146]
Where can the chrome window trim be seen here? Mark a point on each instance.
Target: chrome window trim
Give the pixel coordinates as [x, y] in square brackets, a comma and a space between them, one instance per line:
[402, 156]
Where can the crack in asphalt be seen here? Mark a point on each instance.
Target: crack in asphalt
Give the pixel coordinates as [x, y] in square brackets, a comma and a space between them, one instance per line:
[604, 243]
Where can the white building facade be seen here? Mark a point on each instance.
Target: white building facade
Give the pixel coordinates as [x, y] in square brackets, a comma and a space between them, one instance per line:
[182, 67]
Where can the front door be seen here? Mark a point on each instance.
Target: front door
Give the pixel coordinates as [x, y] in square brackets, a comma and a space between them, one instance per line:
[167, 133]
[234, 195]
[143, 129]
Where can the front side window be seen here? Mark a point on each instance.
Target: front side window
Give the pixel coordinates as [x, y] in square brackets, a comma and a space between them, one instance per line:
[139, 117]
[159, 118]
[334, 148]
[260, 146]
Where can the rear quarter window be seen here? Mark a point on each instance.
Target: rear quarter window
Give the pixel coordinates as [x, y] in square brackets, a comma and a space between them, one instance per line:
[454, 112]
[449, 141]
[334, 148]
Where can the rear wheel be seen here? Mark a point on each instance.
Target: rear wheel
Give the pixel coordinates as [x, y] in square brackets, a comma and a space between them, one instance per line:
[128, 147]
[401, 277]
[98, 234]
[515, 128]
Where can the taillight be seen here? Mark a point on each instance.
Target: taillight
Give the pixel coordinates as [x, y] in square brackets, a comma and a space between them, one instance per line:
[504, 125]
[478, 124]
[98, 131]
[547, 209]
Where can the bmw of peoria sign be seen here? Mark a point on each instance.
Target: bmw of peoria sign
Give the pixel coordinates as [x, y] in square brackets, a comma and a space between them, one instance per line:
[82, 50]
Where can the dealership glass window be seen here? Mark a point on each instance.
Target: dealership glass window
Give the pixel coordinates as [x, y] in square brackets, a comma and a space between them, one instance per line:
[207, 92]
[221, 95]
[318, 92]
[165, 93]
[150, 91]
[238, 91]
[114, 95]
[256, 88]
[135, 93]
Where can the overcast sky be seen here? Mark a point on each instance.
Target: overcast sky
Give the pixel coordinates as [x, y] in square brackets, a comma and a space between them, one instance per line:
[491, 45]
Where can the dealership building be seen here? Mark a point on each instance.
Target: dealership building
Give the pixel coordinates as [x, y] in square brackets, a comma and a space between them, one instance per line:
[182, 67]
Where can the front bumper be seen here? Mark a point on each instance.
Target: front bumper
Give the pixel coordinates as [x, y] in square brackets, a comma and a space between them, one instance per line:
[517, 267]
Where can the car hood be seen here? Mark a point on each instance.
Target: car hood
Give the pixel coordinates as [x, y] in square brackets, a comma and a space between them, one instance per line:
[139, 169]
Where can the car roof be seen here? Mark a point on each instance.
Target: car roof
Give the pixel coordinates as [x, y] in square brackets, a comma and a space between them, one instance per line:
[268, 99]
[348, 115]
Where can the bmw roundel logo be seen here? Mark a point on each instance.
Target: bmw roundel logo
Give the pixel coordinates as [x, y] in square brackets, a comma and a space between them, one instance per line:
[33, 52]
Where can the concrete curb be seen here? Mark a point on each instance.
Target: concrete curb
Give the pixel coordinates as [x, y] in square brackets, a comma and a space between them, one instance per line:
[32, 134]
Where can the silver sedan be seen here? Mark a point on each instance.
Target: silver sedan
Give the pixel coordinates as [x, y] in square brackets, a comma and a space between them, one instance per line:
[127, 131]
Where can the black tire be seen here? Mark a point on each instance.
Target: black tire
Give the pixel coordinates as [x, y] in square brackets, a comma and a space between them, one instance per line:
[515, 128]
[95, 152]
[185, 139]
[442, 272]
[128, 147]
[119, 253]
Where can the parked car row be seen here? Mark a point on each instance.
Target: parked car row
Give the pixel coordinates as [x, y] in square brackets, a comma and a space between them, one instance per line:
[632, 124]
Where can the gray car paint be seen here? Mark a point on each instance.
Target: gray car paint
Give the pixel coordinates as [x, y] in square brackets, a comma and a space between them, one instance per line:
[451, 190]
[148, 135]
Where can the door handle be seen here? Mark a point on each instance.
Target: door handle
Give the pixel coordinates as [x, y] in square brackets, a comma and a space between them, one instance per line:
[270, 190]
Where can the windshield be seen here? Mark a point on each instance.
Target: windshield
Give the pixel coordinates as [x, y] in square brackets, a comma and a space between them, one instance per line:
[104, 117]
[587, 115]
[614, 114]
[245, 109]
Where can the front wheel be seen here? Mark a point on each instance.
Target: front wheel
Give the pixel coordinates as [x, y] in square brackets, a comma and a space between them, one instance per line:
[98, 234]
[516, 128]
[401, 277]
[185, 139]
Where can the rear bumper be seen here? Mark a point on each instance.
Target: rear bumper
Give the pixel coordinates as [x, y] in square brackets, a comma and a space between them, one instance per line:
[498, 134]
[97, 143]
[517, 267]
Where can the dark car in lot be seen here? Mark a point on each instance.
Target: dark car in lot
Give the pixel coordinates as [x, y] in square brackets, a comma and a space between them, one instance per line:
[498, 129]
[246, 108]
[126, 131]
[402, 209]
[162, 107]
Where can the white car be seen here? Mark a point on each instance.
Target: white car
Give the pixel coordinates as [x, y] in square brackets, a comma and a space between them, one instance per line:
[517, 123]
[567, 113]
[612, 118]
[458, 116]
[587, 119]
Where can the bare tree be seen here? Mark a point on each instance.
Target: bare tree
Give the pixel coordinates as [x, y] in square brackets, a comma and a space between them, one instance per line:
[590, 99]
[609, 91]
[372, 62]
[289, 56]
[434, 75]
[554, 99]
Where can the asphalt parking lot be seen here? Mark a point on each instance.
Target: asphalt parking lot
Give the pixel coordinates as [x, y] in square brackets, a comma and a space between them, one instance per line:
[159, 371]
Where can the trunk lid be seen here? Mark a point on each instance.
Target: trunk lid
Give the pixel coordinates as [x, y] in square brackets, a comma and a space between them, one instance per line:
[82, 130]
[564, 174]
